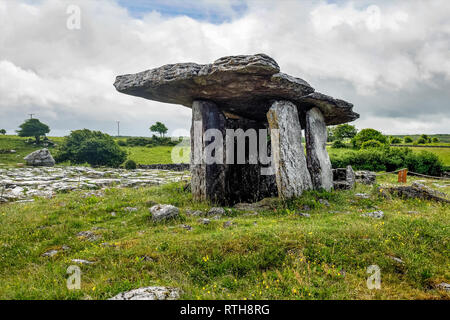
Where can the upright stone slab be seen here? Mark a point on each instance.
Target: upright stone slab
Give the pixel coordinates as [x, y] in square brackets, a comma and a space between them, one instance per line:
[291, 171]
[317, 158]
[207, 177]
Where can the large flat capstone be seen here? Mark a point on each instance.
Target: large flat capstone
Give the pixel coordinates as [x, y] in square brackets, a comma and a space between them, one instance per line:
[244, 85]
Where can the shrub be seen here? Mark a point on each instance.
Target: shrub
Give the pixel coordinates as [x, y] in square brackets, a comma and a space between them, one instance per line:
[122, 143]
[408, 140]
[425, 162]
[396, 140]
[390, 159]
[338, 144]
[138, 141]
[93, 147]
[435, 140]
[367, 135]
[130, 165]
[422, 141]
[372, 144]
[2, 131]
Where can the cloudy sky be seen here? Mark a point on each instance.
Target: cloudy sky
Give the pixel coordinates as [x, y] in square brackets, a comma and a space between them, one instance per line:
[391, 59]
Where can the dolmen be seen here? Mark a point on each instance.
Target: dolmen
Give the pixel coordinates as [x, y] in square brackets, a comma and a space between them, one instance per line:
[247, 121]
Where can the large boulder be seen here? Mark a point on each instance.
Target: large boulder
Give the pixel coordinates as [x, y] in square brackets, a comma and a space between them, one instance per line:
[41, 157]
[242, 85]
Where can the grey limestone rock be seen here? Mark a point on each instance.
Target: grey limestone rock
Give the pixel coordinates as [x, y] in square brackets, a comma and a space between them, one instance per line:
[41, 157]
[149, 293]
[242, 85]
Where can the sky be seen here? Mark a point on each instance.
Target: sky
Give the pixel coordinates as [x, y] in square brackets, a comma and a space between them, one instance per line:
[391, 59]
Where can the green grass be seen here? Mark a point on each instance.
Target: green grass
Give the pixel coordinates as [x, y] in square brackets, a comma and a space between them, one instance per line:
[10, 142]
[275, 255]
[141, 155]
[442, 153]
[155, 155]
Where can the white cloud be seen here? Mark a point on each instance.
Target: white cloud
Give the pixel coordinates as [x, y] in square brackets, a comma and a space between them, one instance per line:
[392, 61]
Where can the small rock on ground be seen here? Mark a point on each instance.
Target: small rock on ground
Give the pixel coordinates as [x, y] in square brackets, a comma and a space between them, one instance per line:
[164, 211]
[374, 214]
[149, 293]
[302, 214]
[216, 211]
[443, 286]
[81, 261]
[204, 221]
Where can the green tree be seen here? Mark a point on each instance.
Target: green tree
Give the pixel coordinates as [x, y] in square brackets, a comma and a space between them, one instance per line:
[408, 139]
[344, 131]
[160, 128]
[33, 128]
[2, 131]
[435, 139]
[93, 147]
[367, 135]
[330, 134]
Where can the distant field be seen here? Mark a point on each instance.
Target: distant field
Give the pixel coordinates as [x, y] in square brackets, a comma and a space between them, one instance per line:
[443, 153]
[155, 155]
[142, 155]
[17, 143]
[442, 137]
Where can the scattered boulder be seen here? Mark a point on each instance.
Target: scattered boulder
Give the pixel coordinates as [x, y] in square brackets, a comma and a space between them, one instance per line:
[303, 214]
[130, 209]
[164, 211]
[186, 226]
[204, 221]
[417, 190]
[362, 195]
[228, 224]
[366, 177]
[375, 214]
[324, 202]
[443, 286]
[89, 235]
[398, 260]
[344, 178]
[216, 211]
[41, 157]
[149, 293]
[194, 213]
[81, 261]
[50, 253]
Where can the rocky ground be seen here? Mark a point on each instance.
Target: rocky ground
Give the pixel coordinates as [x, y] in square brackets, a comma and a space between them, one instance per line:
[23, 184]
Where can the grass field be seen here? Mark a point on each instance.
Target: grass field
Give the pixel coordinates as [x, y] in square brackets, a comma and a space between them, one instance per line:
[141, 155]
[442, 153]
[274, 255]
[155, 155]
